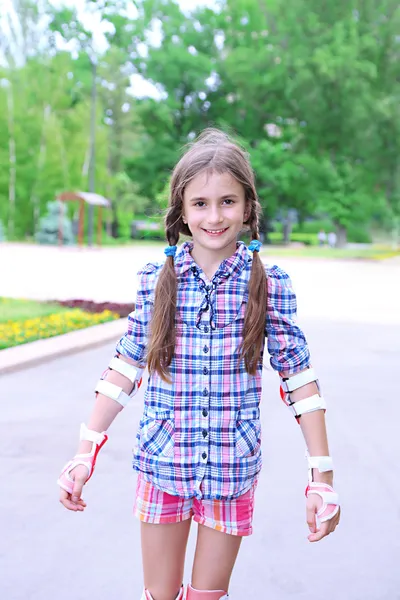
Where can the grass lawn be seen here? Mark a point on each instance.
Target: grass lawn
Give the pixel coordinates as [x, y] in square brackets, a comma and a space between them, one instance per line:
[19, 310]
[370, 253]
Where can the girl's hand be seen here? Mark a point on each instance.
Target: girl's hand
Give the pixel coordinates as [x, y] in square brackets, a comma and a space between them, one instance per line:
[313, 504]
[74, 501]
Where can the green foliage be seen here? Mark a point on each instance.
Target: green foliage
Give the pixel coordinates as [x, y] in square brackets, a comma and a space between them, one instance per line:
[310, 88]
[127, 195]
[2, 233]
[358, 235]
[125, 221]
[162, 199]
[313, 226]
[308, 239]
[152, 234]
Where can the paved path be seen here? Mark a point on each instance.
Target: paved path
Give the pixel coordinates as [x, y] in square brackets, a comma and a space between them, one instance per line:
[353, 291]
[47, 553]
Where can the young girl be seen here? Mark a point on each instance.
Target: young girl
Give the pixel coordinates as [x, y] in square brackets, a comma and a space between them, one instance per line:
[199, 326]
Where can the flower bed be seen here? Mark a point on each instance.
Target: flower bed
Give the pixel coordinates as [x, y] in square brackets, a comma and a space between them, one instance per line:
[16, 332]
[90, 306]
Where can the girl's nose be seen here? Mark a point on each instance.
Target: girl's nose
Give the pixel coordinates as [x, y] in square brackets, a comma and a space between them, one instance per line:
[214, 215]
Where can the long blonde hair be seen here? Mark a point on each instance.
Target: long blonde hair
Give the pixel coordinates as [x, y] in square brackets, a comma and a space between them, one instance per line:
[212, 151]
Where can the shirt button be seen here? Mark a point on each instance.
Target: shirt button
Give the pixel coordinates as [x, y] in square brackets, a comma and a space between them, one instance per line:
[205, 371]
[205, 412]
[206, 329]
[205, 433]
[204, 455]
[205, 392]
[205, 349]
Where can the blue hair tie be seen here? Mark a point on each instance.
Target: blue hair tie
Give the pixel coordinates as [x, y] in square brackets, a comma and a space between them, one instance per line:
[170, 250]
[255, 246]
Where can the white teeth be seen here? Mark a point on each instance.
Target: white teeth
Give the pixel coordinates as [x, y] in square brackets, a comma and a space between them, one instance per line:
[215, 231]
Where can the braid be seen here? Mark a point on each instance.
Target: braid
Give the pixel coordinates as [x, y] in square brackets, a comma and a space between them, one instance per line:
[162, 338]
[254, 322]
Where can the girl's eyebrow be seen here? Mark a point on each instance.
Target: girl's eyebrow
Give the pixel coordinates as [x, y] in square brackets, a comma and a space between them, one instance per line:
[202, 199]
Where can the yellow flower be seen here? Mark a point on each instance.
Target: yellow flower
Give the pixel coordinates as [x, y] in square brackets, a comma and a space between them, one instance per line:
[13, 333]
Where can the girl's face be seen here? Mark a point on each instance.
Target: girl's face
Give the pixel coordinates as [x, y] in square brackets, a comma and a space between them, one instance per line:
[214, 209]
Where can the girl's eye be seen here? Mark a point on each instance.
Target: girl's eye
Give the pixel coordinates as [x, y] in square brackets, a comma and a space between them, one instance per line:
[200, 203]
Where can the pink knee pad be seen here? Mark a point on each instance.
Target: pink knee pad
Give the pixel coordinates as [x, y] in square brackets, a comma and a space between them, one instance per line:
[193, 594]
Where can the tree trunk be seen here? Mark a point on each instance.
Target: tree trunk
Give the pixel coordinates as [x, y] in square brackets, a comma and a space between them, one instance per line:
[114, 223]
[287, 230]
[264, 228]
[341, 233]
[12, 162]
[92, 164]
[35, 201]
[63, 156]
[113, 230]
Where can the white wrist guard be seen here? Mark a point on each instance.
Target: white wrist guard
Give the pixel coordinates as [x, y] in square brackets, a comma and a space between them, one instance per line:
[322, 463]
[115, 392]
[330, 499]
[87, 460]
[289, 384]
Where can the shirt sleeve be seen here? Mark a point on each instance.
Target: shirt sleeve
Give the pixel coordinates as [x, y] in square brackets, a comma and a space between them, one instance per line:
[133, 343]
[286, 342]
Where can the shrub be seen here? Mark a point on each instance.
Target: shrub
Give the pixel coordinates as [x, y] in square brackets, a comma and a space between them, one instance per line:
[356, 234]
[2, 233]
[309, 239]
[120, 309]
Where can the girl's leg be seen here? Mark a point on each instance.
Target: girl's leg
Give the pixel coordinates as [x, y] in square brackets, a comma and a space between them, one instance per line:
[222, 525]
[214, 559]
[163, 555]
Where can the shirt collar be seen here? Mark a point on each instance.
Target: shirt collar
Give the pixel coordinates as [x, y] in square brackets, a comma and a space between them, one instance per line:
[232, 266]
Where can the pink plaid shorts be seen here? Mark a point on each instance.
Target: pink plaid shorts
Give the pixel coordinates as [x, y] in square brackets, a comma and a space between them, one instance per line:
[229, 516]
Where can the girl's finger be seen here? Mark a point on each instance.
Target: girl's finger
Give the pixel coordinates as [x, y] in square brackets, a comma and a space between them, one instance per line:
[65, 499]
[67, 503]
[332, 523]
[311, 522]
[316, 537]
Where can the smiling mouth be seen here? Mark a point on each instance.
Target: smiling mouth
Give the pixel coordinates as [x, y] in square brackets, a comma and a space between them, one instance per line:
[215, 231]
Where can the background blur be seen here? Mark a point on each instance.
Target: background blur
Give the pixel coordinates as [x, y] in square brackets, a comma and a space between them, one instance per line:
[102, 95]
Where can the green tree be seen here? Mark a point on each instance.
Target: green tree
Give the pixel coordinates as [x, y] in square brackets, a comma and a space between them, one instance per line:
[180, 69]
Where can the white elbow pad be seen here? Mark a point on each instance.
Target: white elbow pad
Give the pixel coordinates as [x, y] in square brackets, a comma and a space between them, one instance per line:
[289, 384]
[115, 392]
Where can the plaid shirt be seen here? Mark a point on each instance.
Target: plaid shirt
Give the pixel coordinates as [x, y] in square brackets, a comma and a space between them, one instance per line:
[201, 435]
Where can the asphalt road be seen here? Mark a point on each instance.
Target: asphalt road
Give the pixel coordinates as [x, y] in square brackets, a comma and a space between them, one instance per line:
[47, 553]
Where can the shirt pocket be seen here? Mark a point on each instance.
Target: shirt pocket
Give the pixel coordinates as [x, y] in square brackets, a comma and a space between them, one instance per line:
[248, 432]
[188, 304]
[230, 305]
[157, 432]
